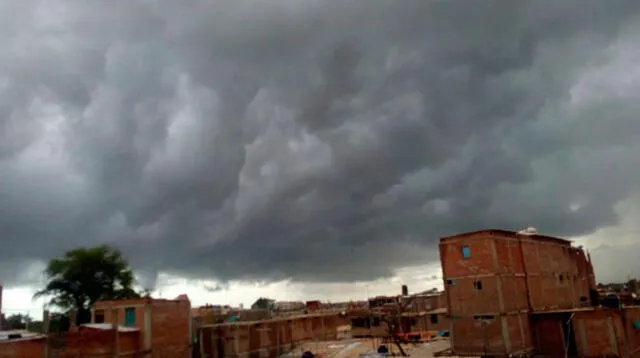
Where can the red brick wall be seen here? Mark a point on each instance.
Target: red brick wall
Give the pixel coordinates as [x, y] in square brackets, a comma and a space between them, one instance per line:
[268, 337]
[22, 349]
[505, 334]
[600, 333]
[441, 325]
[87, 342]
[426, 302]
[632, 314]
[557, 274]
[170, 321]
[170, 328]
[548, 335]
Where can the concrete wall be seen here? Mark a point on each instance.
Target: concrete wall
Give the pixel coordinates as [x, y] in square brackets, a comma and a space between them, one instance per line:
[266, 338]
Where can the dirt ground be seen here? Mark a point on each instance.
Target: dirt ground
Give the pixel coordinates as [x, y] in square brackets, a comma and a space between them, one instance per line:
[360, 348]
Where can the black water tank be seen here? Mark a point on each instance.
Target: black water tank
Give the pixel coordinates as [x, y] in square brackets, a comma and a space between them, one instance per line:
[405, 290]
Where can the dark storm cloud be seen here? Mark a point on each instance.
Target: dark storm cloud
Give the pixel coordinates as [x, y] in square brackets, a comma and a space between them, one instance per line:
[315, 140]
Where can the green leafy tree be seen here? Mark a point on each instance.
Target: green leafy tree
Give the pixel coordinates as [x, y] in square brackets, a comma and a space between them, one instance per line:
[83, 276]
[264, 303]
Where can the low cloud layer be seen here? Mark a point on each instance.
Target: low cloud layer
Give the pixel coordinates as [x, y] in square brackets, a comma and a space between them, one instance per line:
[324, 141]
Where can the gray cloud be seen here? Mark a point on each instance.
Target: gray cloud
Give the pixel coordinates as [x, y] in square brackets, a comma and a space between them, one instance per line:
[316, 140]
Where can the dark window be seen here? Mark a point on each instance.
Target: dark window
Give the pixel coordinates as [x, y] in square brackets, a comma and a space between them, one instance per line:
[484, 317]
[375, 322]
[98, 316]
[450, 282]
[561, 278]
[360, 323]
[466, 252]
[434, 318]
[130, 316]
[477, 284]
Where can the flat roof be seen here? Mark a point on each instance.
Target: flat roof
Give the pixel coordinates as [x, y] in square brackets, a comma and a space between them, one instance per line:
[566, 310]
[273, 319]
[507, 233]
[109, 326]
[24, 335]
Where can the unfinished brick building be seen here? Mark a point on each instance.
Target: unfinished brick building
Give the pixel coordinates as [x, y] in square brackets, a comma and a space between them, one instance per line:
[165, 325]
[495, 278]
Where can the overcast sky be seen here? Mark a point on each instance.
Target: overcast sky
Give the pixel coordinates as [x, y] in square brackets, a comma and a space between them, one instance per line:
[313, 141]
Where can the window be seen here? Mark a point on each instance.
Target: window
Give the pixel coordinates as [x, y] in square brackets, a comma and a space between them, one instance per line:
[466, 252]
[375, 322]
[360, 323]
[130, 316]
[98, 316]
[450, 282]
[477, 284]
[484, 317]
[433, 318]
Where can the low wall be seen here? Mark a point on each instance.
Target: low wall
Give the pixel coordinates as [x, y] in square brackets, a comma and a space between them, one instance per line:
[269, 338]
[86, 343]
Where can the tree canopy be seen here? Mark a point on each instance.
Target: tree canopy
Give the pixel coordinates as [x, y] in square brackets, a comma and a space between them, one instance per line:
[264, 303]
[83, 276]
[18, 321]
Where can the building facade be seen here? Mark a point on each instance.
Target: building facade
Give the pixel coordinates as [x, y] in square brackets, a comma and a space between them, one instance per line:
[494, 279]
[165, 325]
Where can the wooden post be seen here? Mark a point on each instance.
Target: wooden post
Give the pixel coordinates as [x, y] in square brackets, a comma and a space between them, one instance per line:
[46, 320]
[116, 334]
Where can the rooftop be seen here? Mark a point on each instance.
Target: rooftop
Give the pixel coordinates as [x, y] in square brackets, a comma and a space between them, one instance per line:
[507, 233]
[108, 326]
[20, 334]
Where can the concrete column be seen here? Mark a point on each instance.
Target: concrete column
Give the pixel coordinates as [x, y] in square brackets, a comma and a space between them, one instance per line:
[73, 318]
[46, 321]
[613, 339]
[236, 340]
[148, 334]
[116, 334]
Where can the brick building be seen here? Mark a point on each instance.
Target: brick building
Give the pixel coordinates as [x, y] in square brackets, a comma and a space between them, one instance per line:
[495, 278]
[165, 325]
[269, 338]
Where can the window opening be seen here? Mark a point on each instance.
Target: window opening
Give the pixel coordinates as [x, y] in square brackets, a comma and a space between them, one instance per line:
[466, 252]
[129, 316]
